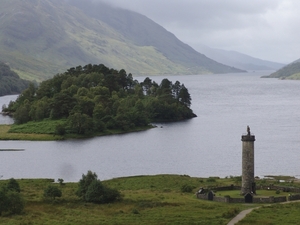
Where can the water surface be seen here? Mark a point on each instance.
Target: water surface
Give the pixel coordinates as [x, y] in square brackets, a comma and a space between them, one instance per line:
[209, 145]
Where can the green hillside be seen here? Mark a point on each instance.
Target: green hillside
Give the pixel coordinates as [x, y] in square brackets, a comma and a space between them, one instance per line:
[291, 71]
[41, 38]
[10, 82]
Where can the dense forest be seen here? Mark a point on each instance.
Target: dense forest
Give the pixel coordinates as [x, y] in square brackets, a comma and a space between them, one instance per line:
[10, 82]
[94, 98]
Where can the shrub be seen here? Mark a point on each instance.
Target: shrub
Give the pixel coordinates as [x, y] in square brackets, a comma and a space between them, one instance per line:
[13, 185]
[60, 181]
[186, 188]
[91, 189]
[210, 179]
[10, 201]
[60, 129]
[3, 200]
[16, 203]
[95, 192]
[84, 183]
[135, 211]
[52, 192]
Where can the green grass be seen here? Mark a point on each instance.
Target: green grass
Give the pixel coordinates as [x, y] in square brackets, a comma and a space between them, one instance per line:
[295, 76]
[41, 127]
[45, 130]
[6, 135]
[277, 214]
[146, 200]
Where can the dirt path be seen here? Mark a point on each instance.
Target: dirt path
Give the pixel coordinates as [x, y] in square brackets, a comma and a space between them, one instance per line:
[241, 216]
[243, 213]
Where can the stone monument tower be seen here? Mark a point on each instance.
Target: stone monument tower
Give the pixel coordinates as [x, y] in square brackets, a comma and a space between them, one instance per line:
[248, 182]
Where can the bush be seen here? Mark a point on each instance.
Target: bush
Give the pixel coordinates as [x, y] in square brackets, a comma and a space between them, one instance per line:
[84, 183]
[60, 181]
[10, 201]
[91, 189]
[186, 188]
[95, 192]
[13, 185]
[60, 129]
[210, 179]
[16, 203]
[3, 201]
[52, 192]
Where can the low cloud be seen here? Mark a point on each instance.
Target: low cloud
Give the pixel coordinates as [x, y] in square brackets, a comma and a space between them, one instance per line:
[265, 29]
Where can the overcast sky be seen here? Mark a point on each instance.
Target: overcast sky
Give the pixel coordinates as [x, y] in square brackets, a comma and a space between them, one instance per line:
[265, 29]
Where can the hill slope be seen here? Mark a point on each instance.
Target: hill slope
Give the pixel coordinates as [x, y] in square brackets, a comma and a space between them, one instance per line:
[290, 71]
[10, 82]
[144, 32]
[239, 60]
[41, 38]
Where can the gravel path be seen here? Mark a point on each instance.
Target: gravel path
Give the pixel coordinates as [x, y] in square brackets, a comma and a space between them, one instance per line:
[243, 213]
[241, 216]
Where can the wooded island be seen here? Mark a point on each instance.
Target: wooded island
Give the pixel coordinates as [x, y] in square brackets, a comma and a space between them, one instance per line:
[93, 98]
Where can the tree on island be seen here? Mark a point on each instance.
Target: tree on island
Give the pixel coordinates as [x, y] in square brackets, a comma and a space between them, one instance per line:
[94, 98]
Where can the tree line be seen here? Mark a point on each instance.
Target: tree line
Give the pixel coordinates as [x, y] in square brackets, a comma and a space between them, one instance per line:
[10, 82]
[94, 98]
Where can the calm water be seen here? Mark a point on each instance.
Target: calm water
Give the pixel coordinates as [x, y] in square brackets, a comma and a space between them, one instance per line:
[209, 145]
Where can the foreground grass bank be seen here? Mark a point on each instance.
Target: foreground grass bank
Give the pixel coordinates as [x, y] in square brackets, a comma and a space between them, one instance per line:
[146, 200]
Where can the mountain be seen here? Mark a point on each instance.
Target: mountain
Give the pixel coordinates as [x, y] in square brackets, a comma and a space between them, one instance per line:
[40, 38]
[239, 60]
[10, 82]
[290, 71]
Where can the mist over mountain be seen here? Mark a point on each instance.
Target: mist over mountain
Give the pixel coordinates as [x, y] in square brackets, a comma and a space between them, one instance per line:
[239, 60]
[39, 38]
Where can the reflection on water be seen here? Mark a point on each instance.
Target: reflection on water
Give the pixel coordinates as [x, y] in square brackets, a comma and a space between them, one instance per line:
[5, 101]
[208, 145]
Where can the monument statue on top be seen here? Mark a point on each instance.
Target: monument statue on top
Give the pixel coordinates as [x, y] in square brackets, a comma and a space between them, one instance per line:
[248, 130]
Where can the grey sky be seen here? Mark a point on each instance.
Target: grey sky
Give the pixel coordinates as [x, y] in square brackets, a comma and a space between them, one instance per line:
[266, 29]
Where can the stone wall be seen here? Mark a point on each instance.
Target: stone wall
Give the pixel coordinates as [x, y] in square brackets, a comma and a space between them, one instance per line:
[228, 199]
[293, 197]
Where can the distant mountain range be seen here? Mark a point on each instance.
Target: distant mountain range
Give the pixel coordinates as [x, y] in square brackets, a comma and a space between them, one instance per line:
[39, 38]
[239, 60]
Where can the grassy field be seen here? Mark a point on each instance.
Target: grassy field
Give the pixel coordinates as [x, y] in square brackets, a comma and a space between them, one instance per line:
[277, 214]
[44, 131]
[6, 135]
[146, 200]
